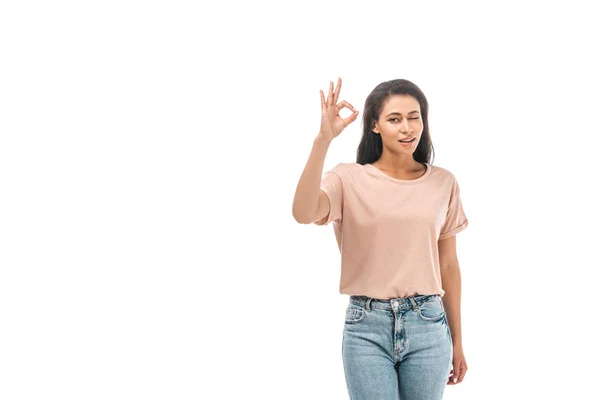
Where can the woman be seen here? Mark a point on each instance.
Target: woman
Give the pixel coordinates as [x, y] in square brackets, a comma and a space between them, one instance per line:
[395, 218]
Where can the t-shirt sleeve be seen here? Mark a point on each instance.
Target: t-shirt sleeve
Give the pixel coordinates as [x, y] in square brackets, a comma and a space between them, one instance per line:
[331, 184]
[456, 220]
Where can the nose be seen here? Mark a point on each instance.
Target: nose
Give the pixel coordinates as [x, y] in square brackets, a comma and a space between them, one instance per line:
[404, 125]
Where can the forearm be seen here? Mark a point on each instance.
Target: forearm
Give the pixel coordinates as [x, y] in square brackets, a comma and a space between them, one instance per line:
[306, 199]
[451, 284]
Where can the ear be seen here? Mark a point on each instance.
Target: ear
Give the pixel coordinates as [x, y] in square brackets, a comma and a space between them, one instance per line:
[375, 127]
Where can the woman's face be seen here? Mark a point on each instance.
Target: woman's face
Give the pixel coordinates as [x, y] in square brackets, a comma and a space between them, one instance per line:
[400, 119]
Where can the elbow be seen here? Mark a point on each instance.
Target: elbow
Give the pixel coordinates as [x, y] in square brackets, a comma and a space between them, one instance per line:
[301, 213]
[302, 220]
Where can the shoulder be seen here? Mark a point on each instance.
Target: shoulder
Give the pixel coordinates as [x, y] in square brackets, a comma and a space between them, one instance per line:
[345, 169]
[442, 173]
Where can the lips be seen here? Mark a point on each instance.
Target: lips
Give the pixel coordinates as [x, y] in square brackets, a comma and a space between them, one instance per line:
[407, 140]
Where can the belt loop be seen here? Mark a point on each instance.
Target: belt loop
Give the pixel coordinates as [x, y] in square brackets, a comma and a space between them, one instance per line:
[413, 302]
[368, 304]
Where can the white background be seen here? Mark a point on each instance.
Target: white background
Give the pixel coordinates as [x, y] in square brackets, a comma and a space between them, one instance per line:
[149, 156]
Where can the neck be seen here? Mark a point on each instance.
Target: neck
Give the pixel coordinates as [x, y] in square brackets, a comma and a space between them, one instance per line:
[399, 163]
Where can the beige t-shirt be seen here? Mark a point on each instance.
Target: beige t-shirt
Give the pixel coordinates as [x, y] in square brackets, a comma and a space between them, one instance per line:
[388, 229]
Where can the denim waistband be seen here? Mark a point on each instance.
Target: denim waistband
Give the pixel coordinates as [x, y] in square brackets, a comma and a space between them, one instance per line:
[400, 303]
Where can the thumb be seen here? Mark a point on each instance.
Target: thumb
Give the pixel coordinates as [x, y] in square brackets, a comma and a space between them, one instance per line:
[456, 372]
[350, 119]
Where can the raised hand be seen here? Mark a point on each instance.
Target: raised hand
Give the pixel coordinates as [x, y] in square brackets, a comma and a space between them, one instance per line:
[331, 122]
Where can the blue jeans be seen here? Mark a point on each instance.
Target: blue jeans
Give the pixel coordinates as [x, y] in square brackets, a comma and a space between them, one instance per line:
[397, 348]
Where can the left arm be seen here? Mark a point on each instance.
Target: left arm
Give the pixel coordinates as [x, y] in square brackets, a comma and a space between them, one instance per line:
[455, 222]
[451, 283]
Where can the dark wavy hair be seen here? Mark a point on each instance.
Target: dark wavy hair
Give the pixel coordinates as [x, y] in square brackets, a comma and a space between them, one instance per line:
[371, 145]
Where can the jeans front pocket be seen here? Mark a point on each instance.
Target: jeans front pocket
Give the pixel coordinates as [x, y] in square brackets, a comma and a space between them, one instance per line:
[448, 332]
[431, 310]
[354, 314]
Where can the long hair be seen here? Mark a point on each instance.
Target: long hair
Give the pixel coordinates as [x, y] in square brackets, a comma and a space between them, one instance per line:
[371, 145]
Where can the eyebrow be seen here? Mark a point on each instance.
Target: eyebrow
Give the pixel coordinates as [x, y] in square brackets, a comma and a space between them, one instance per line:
[397, 113]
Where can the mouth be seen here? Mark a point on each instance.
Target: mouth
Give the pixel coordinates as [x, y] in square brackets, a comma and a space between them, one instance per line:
[408, 140]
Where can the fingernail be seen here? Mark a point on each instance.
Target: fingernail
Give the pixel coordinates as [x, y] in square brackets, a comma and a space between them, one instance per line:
[454, 380]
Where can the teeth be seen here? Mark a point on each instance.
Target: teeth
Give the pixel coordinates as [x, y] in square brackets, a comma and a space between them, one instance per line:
[407, 141]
